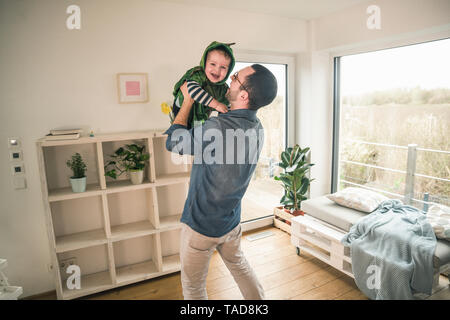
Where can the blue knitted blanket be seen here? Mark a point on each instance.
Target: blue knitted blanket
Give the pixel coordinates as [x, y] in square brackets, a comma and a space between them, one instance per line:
[392, 252]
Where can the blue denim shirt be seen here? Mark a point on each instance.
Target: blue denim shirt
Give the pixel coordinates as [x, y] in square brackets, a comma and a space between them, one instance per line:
[225, 149]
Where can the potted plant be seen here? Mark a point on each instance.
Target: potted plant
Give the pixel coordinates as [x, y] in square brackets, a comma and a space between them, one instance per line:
[78, 180]
[130, 158]
[295, 181]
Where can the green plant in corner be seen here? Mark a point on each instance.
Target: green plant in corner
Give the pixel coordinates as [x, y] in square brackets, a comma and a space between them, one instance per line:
[77, 165]
[294, 178]
[128, 158]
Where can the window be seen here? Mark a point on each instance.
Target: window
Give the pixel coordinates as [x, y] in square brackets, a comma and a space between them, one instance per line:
[391, 124]
[264, 193]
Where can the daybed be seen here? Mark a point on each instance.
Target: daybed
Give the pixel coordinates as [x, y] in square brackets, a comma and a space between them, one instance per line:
[320, 231]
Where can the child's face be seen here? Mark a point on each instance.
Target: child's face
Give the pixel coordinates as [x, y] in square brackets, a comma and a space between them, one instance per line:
[216, 67]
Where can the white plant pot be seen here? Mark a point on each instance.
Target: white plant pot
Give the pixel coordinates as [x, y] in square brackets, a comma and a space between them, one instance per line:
[78, 185]
[137, 176]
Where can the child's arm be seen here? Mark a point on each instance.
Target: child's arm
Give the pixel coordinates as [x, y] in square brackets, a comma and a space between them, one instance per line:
[201, 96]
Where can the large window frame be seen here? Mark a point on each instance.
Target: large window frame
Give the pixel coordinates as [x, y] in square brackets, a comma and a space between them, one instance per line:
[289, 61]
[335, 59]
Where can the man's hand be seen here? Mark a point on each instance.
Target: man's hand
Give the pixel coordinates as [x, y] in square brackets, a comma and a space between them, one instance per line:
[186, 96]
[218, 106]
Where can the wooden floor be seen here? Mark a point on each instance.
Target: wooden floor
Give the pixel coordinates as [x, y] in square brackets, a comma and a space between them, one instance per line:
[283, 274]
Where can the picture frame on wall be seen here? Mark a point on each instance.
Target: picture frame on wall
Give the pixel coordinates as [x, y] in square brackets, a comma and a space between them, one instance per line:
[132, 87]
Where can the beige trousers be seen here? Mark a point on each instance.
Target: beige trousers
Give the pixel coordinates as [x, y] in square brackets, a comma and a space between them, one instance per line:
[195, 254]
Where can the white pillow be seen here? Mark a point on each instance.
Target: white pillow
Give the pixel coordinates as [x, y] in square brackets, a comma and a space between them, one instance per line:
[358, 199]
[439, 218]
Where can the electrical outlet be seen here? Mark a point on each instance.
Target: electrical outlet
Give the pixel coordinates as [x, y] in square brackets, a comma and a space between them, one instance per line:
[65, 263]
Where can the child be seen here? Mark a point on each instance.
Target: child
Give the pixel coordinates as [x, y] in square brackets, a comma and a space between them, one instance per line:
[206, 83]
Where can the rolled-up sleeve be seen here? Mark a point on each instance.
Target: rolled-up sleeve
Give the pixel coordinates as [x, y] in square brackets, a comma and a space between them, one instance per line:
[178, 139]
[193, 141]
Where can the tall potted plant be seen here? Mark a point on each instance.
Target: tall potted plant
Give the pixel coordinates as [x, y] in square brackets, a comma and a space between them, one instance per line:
[78, 180]
[130, 158]
[294, 178]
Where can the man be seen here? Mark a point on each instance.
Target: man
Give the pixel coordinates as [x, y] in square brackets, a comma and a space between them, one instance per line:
[219, 179]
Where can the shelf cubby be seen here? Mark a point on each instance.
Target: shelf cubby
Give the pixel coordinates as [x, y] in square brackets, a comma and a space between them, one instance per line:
[137, 258]
[132, 213]
[94, 271]
[78, 223]
[170, 250]
[169, 165]
[58, 173]
[123, 181]
[171, 199]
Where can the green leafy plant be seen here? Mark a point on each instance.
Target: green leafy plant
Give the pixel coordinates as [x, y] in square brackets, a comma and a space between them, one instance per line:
[128, 158]
[294, 178]
[77, 165]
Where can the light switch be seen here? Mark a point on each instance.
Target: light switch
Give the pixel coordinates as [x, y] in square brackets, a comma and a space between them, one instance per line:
[20, 182]
[18, 169]
[14, 142]
[15, 155]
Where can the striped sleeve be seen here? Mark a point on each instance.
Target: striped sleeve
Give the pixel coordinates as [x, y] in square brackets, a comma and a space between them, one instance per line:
[198, 94]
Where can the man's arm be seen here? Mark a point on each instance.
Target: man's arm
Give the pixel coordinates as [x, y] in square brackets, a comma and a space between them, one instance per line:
[179, 139]
[203, 97]
[183, 115]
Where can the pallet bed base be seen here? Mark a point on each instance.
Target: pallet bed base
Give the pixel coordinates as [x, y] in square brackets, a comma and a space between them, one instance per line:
[323, 241]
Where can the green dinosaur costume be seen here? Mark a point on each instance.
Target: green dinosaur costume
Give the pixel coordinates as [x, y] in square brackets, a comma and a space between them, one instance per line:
[199, 112]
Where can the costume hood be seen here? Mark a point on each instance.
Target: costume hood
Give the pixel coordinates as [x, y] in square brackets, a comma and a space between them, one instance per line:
[227, 47]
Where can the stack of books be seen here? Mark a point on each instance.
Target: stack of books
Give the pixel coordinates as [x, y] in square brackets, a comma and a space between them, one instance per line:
[64, 134]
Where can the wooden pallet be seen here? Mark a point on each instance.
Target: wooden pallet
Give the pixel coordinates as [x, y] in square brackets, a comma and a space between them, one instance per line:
[321, 240]
[282, 219]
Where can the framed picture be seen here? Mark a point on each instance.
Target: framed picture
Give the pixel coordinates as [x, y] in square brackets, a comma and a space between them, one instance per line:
[132, 87]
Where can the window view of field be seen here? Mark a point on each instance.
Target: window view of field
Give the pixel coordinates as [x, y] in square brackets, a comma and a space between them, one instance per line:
[391, 99]
[264, 193]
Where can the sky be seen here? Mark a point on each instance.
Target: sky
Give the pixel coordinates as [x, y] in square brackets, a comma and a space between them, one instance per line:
[426, 65]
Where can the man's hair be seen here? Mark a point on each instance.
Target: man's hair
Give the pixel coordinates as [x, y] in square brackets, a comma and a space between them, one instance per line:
[261, 86]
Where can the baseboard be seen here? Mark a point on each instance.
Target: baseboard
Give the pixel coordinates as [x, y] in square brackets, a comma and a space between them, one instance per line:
[257, 223]
[41, 296]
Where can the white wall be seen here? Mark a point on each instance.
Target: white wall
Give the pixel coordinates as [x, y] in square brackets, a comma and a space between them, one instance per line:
[403, 22]
[53, 77]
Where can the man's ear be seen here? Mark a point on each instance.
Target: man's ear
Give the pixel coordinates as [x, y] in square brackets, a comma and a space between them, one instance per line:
[243, 95]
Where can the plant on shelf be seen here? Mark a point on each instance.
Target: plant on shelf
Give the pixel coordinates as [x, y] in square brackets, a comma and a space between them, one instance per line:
[78, 180]
[294, 178]
[130, 158]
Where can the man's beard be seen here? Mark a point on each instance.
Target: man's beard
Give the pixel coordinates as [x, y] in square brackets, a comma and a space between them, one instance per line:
[231, 96]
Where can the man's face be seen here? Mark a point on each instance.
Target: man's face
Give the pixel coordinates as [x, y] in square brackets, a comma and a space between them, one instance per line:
[216, 66]
[237, 80]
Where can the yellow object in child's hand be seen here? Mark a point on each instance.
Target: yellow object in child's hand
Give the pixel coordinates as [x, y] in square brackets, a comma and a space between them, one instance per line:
[165, 108]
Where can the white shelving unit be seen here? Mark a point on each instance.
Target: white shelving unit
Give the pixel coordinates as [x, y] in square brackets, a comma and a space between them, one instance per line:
[116, 232]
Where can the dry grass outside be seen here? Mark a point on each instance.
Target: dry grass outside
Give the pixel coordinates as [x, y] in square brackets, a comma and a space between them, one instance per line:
[424, 125]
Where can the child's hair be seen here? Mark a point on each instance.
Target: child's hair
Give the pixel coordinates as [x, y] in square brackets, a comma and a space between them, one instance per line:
[223, 50]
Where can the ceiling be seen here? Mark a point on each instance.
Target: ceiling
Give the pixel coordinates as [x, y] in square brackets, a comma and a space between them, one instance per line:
[294, 9]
